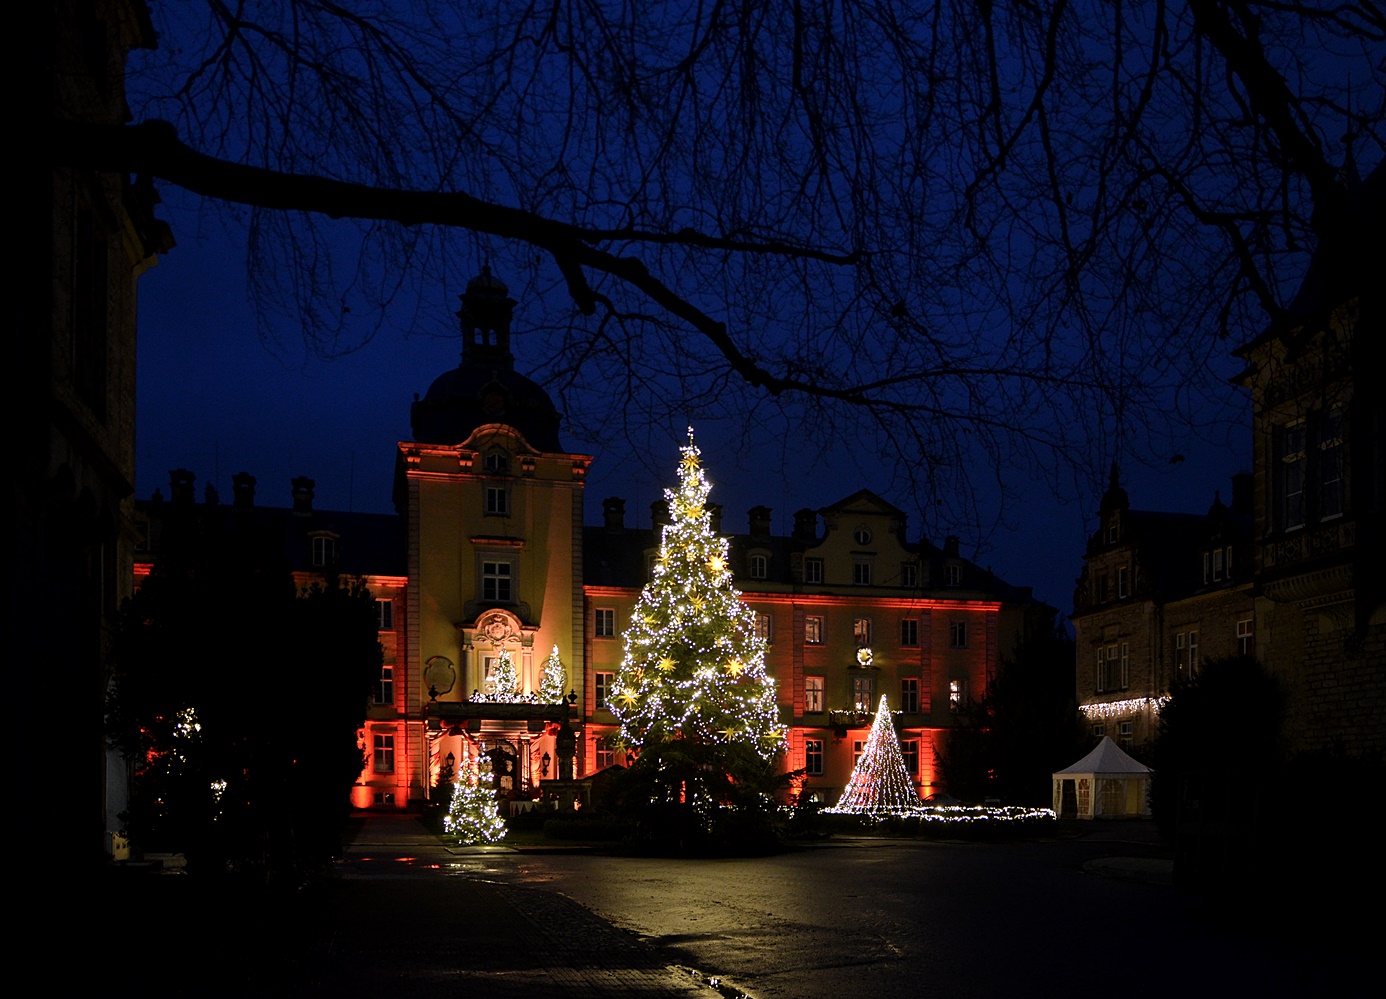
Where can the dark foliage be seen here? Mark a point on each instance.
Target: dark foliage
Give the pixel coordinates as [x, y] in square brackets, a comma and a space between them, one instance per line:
[1026, 726]
[209, 650]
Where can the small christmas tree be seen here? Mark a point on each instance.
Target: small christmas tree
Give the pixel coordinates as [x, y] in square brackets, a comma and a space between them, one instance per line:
[692, 681]
[880, 784]
[473, 816]
[504, 678]
[551, 686]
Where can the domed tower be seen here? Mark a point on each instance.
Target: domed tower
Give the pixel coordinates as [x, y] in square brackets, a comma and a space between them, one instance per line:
[493, 504]
[485, 388]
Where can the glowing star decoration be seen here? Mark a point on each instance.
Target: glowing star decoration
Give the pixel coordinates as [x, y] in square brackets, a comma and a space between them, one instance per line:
[710, 685]
[865, 656]
[880, 784]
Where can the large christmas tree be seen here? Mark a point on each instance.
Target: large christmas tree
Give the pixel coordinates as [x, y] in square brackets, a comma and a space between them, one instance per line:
[880, 784]
[552, 686]
[693, 674]
[473, 816]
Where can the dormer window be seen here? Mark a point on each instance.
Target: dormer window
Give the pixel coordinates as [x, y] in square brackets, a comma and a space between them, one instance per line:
[759, 566]
[496, 462]
[1113, 532]
[862, 535]
[952, 574]
[324, 551]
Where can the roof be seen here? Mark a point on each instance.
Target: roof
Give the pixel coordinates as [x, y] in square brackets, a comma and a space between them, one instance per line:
[1106, 758]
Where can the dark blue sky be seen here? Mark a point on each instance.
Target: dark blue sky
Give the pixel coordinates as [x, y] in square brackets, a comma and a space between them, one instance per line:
[212, 397]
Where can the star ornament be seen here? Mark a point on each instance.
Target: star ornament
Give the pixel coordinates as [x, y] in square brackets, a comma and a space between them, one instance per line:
[666, 664]
[735, 666]
[717, 563]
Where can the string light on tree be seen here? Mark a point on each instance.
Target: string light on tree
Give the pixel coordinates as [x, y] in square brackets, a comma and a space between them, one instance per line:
[880, 784]
[693, 667]
[473, 816]
[554, 682]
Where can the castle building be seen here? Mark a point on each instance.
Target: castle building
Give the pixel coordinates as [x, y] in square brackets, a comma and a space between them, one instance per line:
[493, 570]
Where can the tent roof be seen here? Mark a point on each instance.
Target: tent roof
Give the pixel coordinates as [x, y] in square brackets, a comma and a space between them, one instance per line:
[1106, 758]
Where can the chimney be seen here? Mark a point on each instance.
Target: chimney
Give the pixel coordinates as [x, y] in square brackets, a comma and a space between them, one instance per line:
[760, 521]
[950, 546]
[805, 525]
[1241, 494]
[659, 513]
[714, 511]
[180, 486]
[614, 513]
[303, 494]
[243, 490]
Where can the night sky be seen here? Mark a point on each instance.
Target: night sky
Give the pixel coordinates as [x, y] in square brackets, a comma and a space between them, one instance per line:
[215, 398]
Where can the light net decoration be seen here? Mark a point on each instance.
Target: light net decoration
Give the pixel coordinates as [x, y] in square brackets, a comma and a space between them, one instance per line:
[693, 666]
[880, 784]
[473, 815]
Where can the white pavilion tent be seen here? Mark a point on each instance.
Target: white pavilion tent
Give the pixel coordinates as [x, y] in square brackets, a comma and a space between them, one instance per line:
[1104, 784]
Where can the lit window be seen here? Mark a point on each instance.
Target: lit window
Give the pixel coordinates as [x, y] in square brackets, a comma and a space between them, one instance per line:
[603, 690]
[497, 500]
[383, 757]
[909, 631]
[864, 693]
[909, 749]
[765, 629]
[861, 573]
[957, 634]
[496, 582]
[385, 687]
[813, 570]
[813, 630]
[813, 694]
[909, 575]
[861, 631]
[813, 757]
[384, 615]
[760, 566]
[1246, 640]
[952, 575]
[957, 694]
[324, 551]
[909, 694]
[604, 623]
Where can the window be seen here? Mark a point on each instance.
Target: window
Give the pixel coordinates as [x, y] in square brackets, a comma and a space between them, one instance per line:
[1246, 640]
[765, 627]
[497, 586]
[909, 575]
[1126, 731]
[909, 631]
[1113, 667]
[813, 630]
[1217, 564]
[760, 566]
[1100, 681]
[861, 631]
[952, 575]
[497, 462]
[857, 748]
[1229, 562]
[385, 687]
[909, 694]
[1124, 676]
[604, 622]
[1289, 472]
[957, 634]
[861, 573]
[1101, 587]
[813, 570]
[1185, 654]
[604, 684]
[1123, 583]
[909, 749]
[497, 500]
[1099, 731]
[862, 536]
[324, 551]
[383, 758]
[1113, 532]
[384, 615]
[606, 751]
[813, 694]
[864, 693]
[1330, 471]
[957, 694]
[813, 757]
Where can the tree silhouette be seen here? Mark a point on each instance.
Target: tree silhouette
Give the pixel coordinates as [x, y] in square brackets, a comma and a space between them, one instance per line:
[998, 227]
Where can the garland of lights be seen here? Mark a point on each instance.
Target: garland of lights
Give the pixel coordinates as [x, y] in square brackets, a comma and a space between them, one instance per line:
[693, 666]
[553, 681]
[1111, 709]
[880, 784]
[473, 816]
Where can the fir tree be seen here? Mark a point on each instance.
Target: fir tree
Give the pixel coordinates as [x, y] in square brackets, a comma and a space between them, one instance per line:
[473, 816]
[554, 680]
[693, 674]
[880, 784]
[505, 678]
